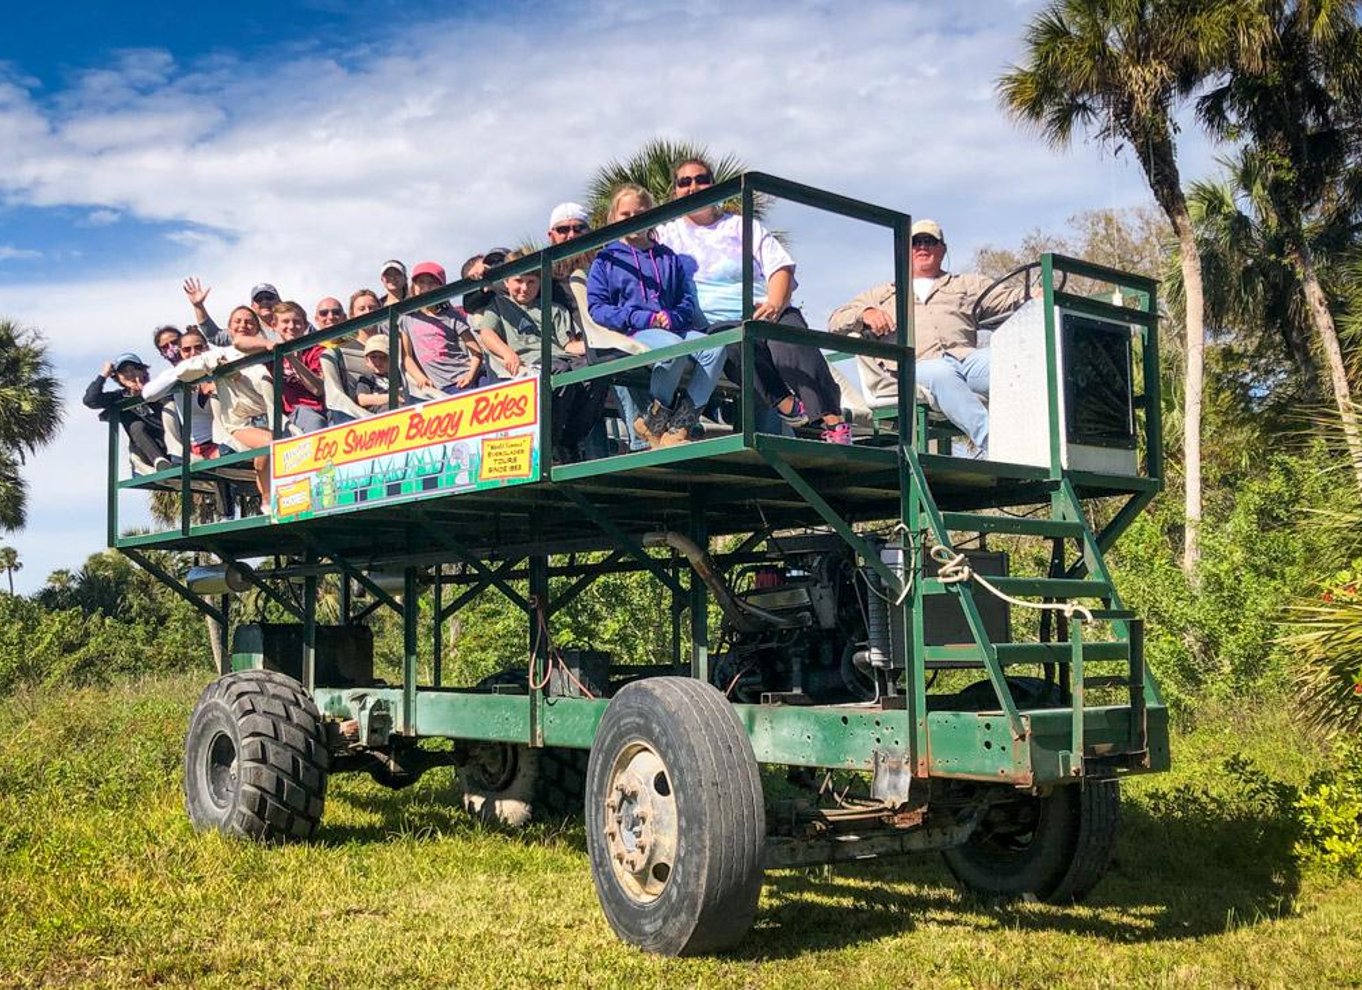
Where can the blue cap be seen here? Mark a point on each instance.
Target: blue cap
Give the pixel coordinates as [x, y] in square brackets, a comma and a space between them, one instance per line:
[128, 358]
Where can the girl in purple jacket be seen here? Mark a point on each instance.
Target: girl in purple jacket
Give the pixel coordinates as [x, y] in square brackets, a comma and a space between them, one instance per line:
[639, 288]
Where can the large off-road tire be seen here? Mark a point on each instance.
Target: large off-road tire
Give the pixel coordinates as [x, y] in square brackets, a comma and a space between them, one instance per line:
[675, 823]
[1054, 848]
[255, 758]
[513, 784]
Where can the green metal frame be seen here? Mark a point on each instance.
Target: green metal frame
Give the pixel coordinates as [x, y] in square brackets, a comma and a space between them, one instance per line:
[754, 483]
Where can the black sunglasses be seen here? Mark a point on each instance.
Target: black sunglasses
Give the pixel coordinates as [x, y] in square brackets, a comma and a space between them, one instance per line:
[570, 228]
[686, 181]
[330, 312]
[925, 240]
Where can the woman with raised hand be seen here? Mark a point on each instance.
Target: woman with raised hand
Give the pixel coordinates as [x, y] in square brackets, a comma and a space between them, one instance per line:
[639, 287]
[793, 378]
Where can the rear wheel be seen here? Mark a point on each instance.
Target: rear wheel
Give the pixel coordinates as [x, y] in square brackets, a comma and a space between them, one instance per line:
[255, 761]
[1054, 847]
[512, 784]
[675, 822]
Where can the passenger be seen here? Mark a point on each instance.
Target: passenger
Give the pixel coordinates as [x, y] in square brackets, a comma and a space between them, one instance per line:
[142, 423]
[949, 362]
[245, 399]
[196, 292]
[167, 341]
[511, 332]
[363, 302]
[793, 379]
[329, 313]
[366, 301]
[264, 297]
[393, 275]
[641, 289]
[202, 446]
[302, 385]
[371, 389]
[568, 221]
[442, 341]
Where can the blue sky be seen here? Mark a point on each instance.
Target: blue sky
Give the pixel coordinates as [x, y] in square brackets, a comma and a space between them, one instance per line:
[305, 143]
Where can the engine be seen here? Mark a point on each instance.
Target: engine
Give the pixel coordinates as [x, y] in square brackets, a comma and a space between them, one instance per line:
[809, 627]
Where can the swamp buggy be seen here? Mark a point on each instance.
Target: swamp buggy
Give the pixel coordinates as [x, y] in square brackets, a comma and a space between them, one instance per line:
[875, 652]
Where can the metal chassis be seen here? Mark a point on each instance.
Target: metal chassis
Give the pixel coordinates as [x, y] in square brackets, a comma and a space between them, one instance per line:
[1007, 746]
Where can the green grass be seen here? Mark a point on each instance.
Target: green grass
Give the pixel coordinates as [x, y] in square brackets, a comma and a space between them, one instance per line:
[103, 883]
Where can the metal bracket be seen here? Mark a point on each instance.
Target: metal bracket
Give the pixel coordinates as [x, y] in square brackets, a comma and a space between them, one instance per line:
[624, 540]
[174, 584]
[490, 576]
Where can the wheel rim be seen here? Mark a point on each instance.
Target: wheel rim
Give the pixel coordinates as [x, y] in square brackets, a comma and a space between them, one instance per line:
[640, 822]
[491, 767]
[221, 769]
[1009, 828]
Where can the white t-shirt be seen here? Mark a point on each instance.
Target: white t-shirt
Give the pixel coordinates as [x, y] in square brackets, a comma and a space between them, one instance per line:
[716, 250]
[922, 288]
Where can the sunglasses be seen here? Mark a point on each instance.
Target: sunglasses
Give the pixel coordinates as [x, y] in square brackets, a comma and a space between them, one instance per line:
[192, 349]
[570, 228]
[925, 240]
[686, 181]
[331, 312]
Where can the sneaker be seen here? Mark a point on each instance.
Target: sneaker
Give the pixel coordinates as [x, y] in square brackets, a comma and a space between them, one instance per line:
[797, 416]
[652, 424]
[683, 420]
[841, 433]
[161, 464]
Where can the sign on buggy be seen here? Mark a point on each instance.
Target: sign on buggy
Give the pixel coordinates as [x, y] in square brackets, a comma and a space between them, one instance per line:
[486, 438]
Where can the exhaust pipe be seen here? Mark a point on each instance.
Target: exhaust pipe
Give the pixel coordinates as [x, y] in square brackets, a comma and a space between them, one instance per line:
[745, 617]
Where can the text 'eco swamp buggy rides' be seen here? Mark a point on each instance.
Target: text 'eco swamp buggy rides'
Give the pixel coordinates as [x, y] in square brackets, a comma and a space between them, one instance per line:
[875, 684]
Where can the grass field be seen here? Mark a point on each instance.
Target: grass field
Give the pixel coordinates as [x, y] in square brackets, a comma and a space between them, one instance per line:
[103, 883]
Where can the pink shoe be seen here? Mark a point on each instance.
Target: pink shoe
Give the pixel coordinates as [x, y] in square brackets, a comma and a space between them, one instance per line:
[841, 433]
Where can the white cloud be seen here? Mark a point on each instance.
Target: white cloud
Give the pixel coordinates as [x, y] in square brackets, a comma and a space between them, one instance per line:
[9, 252]
[307, 172]
[102, 218]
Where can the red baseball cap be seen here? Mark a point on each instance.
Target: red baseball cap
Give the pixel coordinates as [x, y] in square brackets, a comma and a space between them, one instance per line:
[428, 268]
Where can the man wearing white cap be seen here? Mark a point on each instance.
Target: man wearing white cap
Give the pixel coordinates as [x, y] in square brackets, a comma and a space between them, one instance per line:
[949, 362]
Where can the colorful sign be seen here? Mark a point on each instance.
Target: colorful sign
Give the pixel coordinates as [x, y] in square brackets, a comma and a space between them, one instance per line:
[486, 438]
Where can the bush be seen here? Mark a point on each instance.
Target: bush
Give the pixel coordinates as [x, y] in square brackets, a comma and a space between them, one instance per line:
[1329, 808]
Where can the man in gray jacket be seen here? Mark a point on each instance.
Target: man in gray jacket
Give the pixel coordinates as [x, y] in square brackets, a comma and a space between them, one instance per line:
[949, 362]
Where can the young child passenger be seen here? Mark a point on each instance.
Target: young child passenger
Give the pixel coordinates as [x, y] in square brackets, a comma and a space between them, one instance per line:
[371, 390]
[510, 331]
[640, 288]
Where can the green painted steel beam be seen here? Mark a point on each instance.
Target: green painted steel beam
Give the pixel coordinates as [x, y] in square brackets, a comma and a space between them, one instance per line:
[1090, 269]
[1103, 310]
[974, 522]
[1033, 586]
[174, 584]
[624, 541]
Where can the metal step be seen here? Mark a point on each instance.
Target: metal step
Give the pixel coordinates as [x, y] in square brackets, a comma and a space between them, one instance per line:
[973, 522]
[1111, 681]
[1017, 653]
[1032, 586]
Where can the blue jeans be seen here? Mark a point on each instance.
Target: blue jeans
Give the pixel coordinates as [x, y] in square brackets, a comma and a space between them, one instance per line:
[631, 401]
[307, 419]
[667, 374]
[956, 383]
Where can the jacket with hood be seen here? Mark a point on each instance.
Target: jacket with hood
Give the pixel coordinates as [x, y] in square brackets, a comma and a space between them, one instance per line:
[627, 286]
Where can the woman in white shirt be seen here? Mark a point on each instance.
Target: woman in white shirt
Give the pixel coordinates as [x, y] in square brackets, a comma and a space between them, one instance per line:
[793, 378]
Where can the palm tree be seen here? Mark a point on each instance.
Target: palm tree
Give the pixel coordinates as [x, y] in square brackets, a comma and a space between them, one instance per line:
[1119, 68]
[1285, 95]
[9, 563]
[652, 168]
[1252, 292]
[30, 397]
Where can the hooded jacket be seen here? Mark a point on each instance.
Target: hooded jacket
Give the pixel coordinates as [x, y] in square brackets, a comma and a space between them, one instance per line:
[627, 286]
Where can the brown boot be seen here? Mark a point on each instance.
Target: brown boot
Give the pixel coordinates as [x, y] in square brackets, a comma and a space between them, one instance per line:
[651, 425]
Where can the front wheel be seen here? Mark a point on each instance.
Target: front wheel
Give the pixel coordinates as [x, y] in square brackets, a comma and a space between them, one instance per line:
[1053, 848]
[255, 758]
[675, 823]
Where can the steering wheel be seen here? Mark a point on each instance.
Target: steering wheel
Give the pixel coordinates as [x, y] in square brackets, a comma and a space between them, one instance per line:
[995, 321]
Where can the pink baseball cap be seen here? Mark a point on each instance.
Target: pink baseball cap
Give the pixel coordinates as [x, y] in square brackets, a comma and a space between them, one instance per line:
[428, 268]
